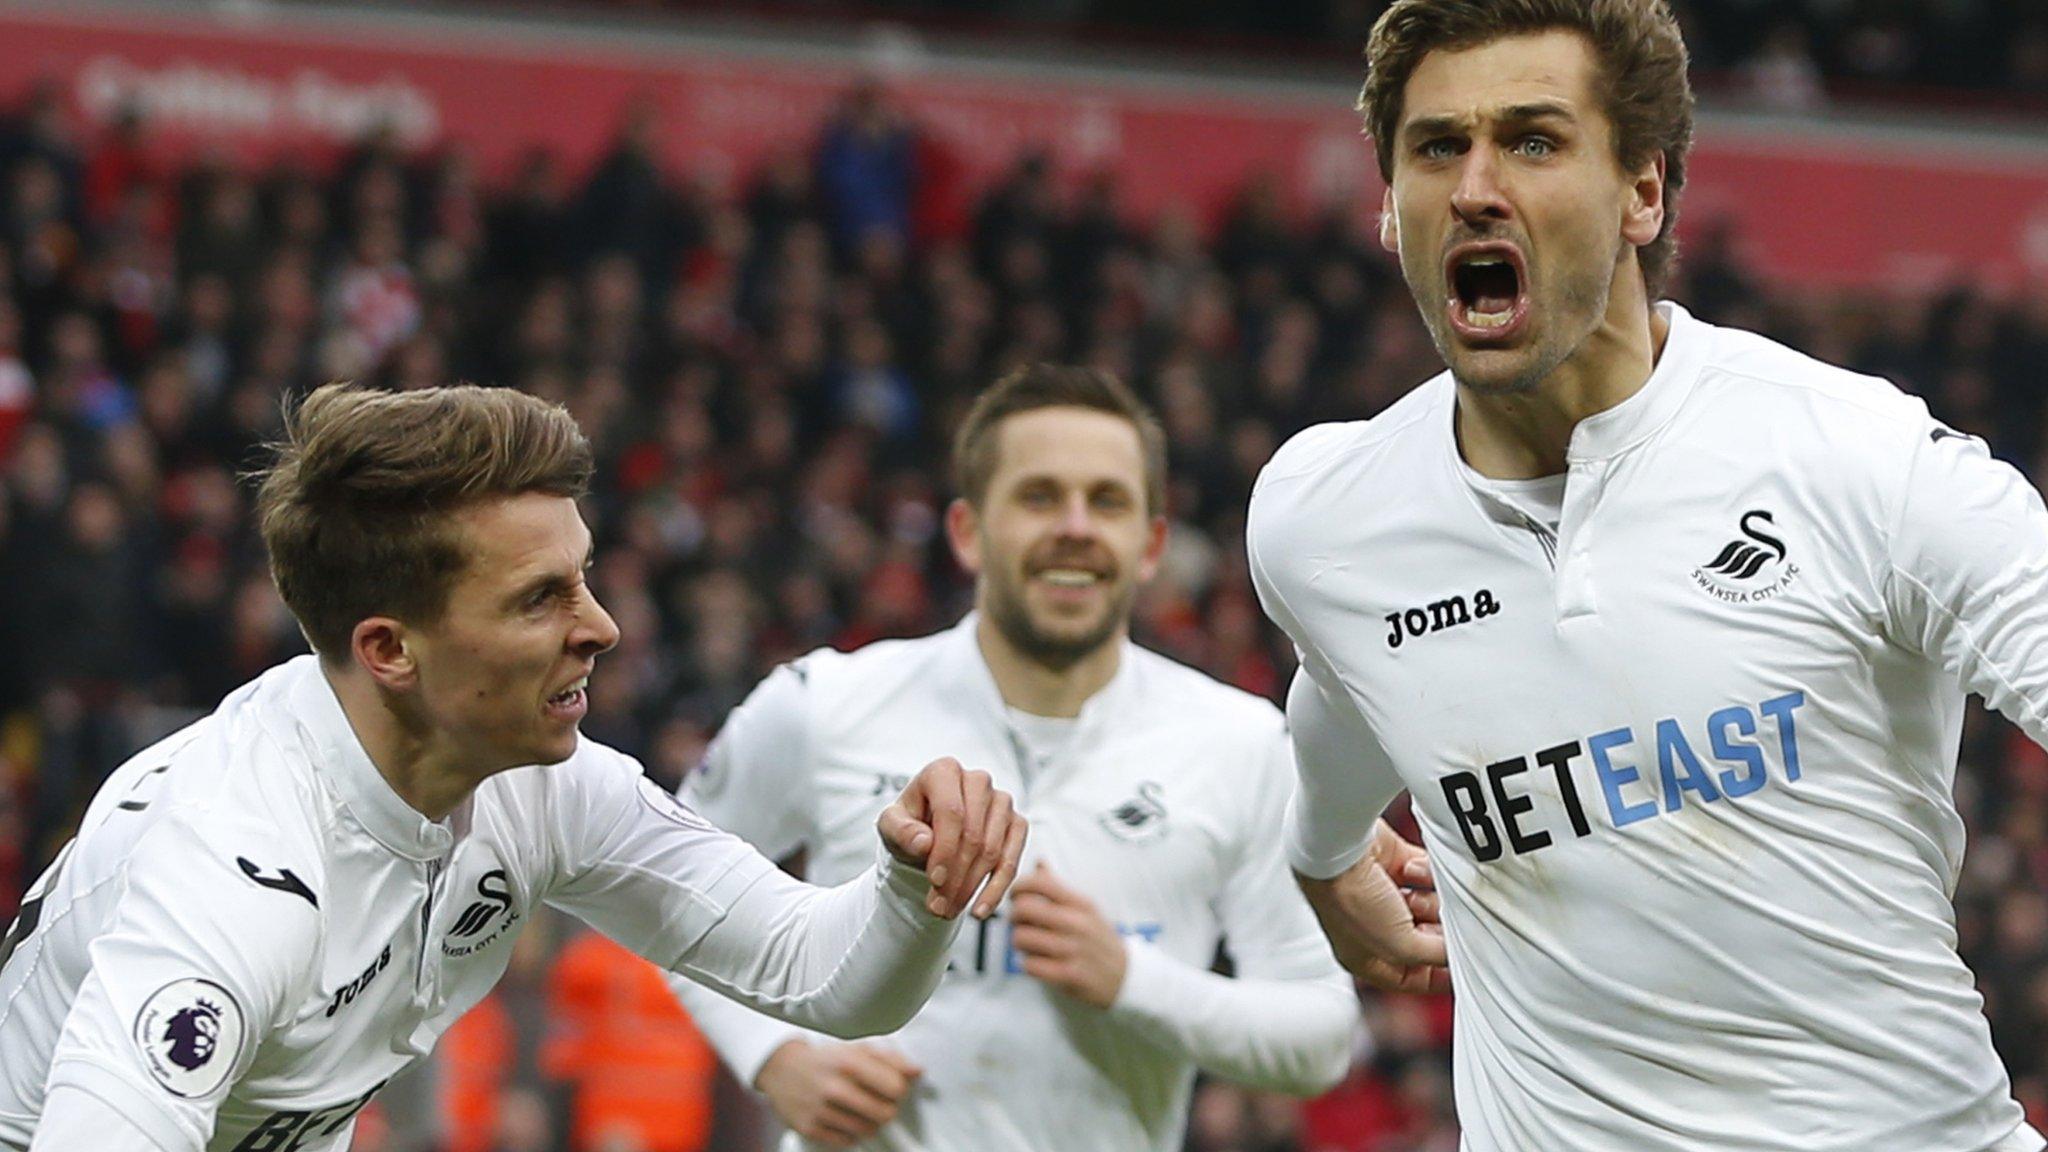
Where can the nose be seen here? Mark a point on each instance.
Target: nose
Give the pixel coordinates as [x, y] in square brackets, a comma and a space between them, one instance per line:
[1479, 196]
[1075, 519]
[596, 631]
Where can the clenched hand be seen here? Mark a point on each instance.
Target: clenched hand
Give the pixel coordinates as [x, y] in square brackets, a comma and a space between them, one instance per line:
[836, 1094]
[1381, 916]
[1065, 941]
[961, 830]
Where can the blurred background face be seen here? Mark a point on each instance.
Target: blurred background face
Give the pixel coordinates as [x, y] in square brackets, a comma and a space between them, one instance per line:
[1062, 537]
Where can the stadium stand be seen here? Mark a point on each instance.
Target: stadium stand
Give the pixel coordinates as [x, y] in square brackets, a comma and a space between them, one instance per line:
[769, 378]
[1883, 50]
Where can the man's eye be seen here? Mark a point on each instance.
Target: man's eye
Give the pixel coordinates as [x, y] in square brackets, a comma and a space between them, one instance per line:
[1436, 149]
[1535, 146]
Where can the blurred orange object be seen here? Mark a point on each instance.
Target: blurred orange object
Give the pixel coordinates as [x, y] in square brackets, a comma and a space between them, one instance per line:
[634, 1064]
[475, 1056]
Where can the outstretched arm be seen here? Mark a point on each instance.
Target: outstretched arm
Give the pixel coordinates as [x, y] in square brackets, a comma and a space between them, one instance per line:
[854, 960]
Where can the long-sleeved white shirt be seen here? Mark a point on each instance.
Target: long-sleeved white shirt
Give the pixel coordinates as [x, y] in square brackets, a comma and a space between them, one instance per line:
[1164, 809]
[1684, 765]
[252, 932]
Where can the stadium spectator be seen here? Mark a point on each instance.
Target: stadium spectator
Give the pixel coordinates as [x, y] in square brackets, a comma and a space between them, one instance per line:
[867, 168]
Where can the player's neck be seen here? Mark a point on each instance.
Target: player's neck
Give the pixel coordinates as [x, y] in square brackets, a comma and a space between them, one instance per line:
[423, 774]
[1524, 435]
[1030, 686]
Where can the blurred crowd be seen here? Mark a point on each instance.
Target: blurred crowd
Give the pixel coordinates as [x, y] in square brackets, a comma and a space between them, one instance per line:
[1864, 48]
[769, 375]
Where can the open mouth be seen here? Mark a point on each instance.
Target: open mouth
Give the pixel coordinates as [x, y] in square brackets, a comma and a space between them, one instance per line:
[1070, 577]
[1488, 299]
[573, 698]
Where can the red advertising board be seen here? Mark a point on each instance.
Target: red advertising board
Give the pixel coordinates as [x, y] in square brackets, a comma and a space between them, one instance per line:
[1812, 205]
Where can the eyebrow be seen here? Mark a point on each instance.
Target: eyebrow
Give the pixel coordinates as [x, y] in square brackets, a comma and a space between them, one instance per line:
[1429, 126]
[1041, 479]
[1538, 110]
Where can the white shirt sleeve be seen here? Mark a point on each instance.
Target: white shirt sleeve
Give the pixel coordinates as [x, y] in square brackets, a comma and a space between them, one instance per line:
[756, 777]
[75, 1118]
[193, 972]
[744, 1038]
[636, 864]
[756, 783]
[1345, 778]
[857, 960]
[1968, 578]
[1289, 1019]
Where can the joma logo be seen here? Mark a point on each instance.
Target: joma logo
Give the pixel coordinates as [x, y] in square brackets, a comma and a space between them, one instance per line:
[1438, 615]
[347, 993]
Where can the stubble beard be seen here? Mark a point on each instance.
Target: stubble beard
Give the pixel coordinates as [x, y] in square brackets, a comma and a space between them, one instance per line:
[1054, 652]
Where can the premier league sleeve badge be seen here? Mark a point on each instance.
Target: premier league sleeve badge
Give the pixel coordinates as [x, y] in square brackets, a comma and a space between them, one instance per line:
[190, 1033]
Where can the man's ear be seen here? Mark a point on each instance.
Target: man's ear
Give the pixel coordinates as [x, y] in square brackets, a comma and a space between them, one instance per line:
[1155, 550]
[1390, 223]
[1643, 218]
[382, 647]
[963, 532]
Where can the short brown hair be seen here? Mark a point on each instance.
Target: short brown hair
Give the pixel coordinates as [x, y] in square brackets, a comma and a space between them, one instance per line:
[1036, 386]
[1641, 82]
[355, 507]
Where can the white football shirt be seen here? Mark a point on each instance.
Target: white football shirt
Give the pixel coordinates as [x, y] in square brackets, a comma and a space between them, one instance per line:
[252, 932]
[1162, 803]
[1684, 765]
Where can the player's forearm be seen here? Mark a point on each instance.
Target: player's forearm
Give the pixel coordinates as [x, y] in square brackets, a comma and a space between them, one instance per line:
[1292, 1035]
[1343, 782]
[856, 960]
[742, 1037]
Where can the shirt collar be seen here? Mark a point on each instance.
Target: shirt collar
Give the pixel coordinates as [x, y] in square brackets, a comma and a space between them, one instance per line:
[1609, 433]
[972, 675]
[341, 759]
[1604, 435]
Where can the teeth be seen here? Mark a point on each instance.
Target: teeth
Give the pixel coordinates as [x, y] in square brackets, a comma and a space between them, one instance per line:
[572, 689]
[1489, 319]
[1067, 577]
[1484, 261]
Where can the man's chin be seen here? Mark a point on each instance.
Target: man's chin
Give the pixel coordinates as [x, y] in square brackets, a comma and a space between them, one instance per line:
[1061, 643]
[1511, 371]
